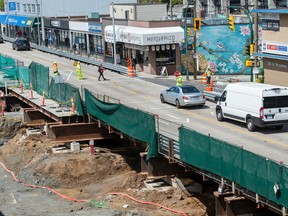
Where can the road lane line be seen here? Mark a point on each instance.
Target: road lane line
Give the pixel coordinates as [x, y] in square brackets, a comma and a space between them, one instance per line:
[172, 116]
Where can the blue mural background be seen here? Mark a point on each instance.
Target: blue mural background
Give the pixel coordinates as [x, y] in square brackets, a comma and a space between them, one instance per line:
[223, 50]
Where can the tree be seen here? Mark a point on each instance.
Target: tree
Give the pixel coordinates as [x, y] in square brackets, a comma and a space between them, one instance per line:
[1, 3]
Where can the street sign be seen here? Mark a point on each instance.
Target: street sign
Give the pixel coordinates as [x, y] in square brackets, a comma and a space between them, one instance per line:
[255, 70]
[12, 6]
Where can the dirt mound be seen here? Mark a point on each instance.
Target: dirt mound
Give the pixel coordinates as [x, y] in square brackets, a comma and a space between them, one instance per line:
[83, 176]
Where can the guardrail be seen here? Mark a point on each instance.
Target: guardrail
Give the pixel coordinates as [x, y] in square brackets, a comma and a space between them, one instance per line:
[85, 59]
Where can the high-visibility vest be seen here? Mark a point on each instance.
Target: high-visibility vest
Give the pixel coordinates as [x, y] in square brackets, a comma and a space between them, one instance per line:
[55, 67]
[179, 81]
[78, 67]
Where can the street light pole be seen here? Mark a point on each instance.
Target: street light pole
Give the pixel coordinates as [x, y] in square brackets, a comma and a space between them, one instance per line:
[38, 27]
[114, 36]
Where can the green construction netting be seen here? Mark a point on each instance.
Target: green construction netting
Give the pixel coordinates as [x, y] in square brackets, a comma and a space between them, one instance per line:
[8, 65]
[134, 123]
[247, 169]
[8, 70]
[23, 74]
[39, 77]
[63, 92]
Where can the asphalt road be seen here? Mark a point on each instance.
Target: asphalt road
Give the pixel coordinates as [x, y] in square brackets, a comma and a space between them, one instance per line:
[142, 92]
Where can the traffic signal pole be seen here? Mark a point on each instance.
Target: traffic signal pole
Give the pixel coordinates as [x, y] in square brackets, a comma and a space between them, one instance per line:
[251, 31]
[194, 41]
[186, 41]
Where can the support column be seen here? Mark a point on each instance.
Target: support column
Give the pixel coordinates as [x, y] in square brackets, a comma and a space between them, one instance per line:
[220, 204]
[238, 205]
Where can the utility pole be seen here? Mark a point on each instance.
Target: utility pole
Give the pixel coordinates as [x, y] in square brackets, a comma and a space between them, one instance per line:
[194, 41]
[186, 39]
[114, 36]
[256, 35]
[38, 27]
[171, 12]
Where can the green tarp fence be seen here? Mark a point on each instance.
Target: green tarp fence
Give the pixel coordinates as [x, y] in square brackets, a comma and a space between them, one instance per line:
[8, 65]
[39, 77]
[63, 92]
[23, 74]
[8, 70]
[251, 171]
[135, 123]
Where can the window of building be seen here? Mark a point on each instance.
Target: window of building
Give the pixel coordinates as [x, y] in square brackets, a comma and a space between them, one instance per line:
[38, 8]
[25, 8]
[127, 14]
[29, 8]
[18, 6]
[33, 8]
[165, 57]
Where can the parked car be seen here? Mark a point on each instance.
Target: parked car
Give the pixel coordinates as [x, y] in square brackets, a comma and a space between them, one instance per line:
[181, 96]
[21, 44]
[1, 39]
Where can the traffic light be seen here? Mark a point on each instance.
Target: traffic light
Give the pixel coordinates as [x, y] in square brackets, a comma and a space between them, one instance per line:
[188, 32]
[197, 24]
[251, 49]
[247, 50]
[231, 23]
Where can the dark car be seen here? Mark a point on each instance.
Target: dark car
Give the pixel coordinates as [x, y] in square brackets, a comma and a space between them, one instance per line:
[21, 44]
[1, 39]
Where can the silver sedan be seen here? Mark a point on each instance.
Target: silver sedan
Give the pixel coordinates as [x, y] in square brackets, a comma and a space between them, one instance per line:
[180, 96]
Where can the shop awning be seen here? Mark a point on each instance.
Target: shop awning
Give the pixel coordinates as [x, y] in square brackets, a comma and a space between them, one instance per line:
[144, 36]
[32, 22]
[16, 20]
[271, 56]
[3, 19]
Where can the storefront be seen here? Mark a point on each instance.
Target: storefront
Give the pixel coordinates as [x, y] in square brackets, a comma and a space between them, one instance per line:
[153, 48]
[57, 33]
[95, 39]
[274, 45]
[79, 36]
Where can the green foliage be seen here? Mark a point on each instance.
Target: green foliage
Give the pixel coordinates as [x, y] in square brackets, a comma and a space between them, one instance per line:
[1, 3]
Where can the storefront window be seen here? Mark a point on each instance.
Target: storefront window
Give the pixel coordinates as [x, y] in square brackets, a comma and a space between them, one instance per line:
[165, 57]
[109, 49]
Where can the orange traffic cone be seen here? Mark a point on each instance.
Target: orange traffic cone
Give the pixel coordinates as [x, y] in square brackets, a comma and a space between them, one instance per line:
[204, 81]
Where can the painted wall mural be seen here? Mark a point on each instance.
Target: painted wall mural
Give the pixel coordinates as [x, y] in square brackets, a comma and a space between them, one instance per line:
[222, 49]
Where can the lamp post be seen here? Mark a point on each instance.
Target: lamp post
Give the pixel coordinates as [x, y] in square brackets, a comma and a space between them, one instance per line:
[114, 36]
[38, 27]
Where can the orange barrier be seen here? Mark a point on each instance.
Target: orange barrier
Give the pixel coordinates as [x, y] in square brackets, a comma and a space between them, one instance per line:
[210, 87]
[130, 72]
[204, 81]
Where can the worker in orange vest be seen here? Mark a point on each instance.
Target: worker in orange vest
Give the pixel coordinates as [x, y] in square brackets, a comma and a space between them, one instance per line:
[55, 68]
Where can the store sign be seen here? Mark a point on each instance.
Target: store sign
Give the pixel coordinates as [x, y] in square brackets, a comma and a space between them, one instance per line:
[275, 48]
[95, 27]
[161, 39]
[12, 6]
[133, 38]
[275, 64]
[55, 23]
[273, 25]
[144, 36]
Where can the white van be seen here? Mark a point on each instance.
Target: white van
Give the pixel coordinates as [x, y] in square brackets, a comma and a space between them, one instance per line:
[256, 104]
